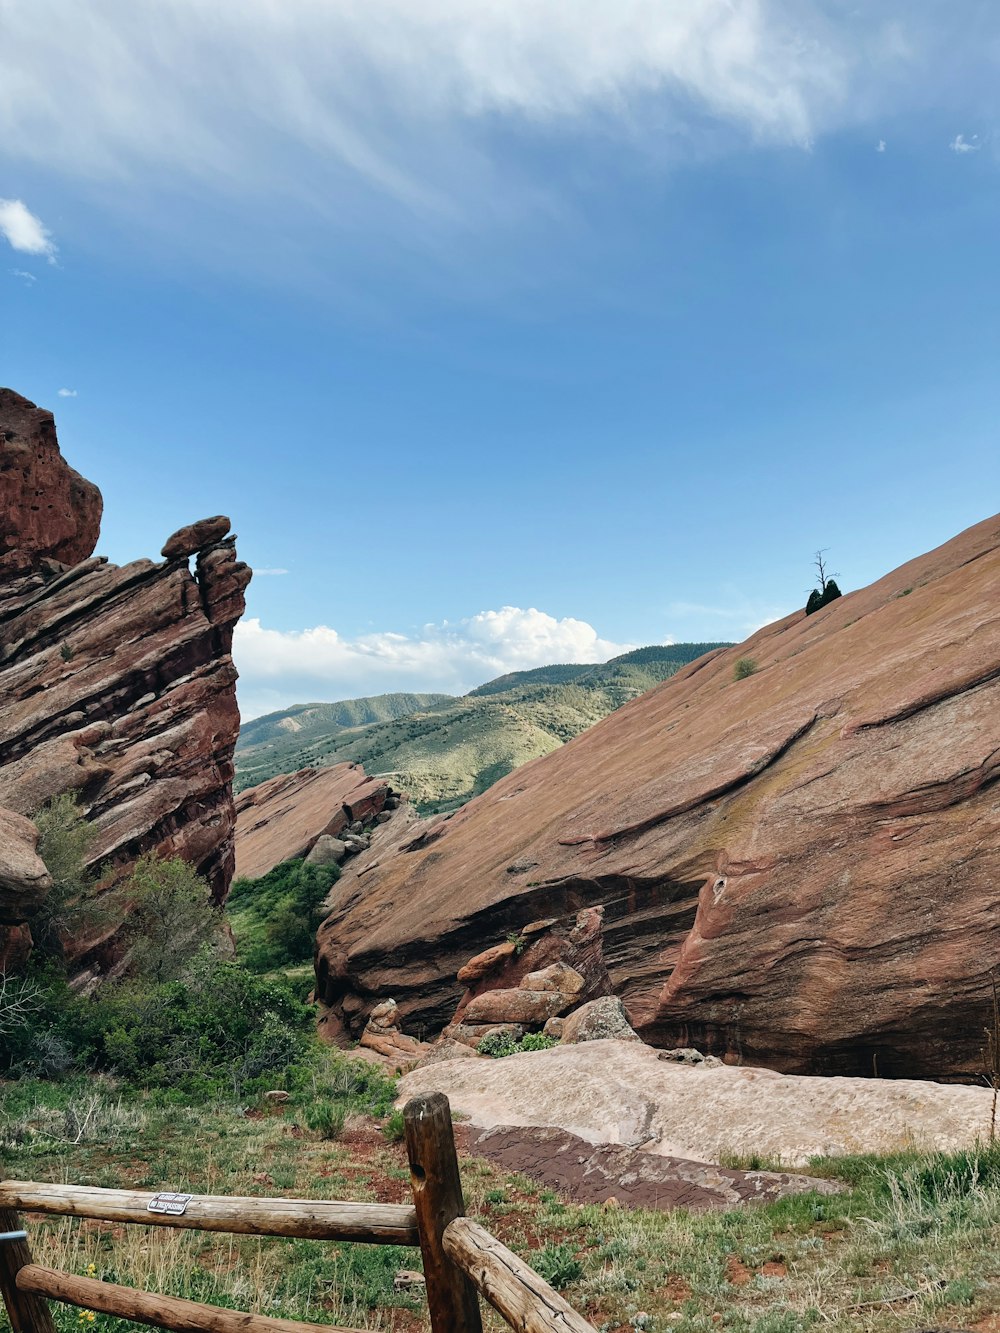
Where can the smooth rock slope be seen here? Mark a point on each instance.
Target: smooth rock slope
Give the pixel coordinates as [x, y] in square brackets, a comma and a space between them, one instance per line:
[115, 683]
[624, 1093]
[799, 868]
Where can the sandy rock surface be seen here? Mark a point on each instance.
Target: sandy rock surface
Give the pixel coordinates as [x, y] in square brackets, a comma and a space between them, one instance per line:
[623, 1093]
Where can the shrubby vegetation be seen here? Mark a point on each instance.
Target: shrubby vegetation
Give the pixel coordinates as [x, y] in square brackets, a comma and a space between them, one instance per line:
[275, 917]
[180, 1017]
[500, 1044]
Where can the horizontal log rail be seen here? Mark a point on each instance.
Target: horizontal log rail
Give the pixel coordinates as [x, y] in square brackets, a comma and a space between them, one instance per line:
[525, 1299]
[146, 1308]
[306, 1219]
[462, 1261]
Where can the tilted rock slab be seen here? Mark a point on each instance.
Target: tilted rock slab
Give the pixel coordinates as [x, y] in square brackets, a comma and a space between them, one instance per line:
[799, 868]
[286, 816]
[621, 1092]
[115, 683]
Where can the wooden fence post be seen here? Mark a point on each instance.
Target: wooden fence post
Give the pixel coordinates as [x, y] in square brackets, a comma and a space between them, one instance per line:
[452, 1301]
[27, 1313]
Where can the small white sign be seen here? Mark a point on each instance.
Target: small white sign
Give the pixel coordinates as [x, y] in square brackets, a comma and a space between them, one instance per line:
[173, 1204]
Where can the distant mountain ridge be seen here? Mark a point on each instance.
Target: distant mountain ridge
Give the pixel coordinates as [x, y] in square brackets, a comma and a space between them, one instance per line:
[444, 749]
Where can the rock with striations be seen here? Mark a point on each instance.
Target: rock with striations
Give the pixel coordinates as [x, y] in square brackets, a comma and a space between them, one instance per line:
[799, 868]
[196, 537]
[285, 817]
[48, 511]
[115, 683]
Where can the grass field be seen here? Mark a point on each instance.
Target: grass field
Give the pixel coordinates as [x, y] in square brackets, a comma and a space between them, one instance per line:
[912, 1241]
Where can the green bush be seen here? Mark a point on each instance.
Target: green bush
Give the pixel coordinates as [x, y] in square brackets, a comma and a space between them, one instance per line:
[743, 667]
[326, 1119]
[64, 841]
[219, 1031]
[558, 1265]
[171, 917]
[537, 1041]
[394, 1128]
[498, 1044]
[275, 918]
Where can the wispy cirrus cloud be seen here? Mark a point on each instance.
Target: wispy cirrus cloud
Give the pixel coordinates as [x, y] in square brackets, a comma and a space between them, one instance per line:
[419, 105]
[67, 393]
[281, 667]
[960, 144]
[25, 232]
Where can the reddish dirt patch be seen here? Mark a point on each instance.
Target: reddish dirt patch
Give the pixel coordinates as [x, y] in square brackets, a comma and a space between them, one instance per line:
[677, 1290]
[737, 1272]
[594, 1173]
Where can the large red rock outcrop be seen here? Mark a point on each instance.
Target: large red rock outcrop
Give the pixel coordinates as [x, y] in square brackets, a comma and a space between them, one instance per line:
[285, 816]
[799, 868]
[115, 683]
[46, 509]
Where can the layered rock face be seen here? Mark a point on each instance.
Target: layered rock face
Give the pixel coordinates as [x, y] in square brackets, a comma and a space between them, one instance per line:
[115, 683]
[286, 816]
[798, 869]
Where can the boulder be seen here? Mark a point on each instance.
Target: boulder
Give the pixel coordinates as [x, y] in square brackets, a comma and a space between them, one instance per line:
[557, 977]
[327, 851]
[528, 1008]
[195, 537]
[446, 1049]
[798, 868]
[486, 962]
[599, 1020]
[471, 1034]
[24, 881]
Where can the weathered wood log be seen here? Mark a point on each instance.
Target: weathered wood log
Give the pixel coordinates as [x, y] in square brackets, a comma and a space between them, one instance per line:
[437, 1195]
[144, 1307]
[374, 1223]
[28, 1313]
[525, 1300]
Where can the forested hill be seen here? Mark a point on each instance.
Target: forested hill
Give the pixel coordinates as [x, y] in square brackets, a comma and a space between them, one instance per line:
[444, 750]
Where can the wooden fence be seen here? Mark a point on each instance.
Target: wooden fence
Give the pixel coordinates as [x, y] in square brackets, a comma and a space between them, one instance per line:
[462, 1261]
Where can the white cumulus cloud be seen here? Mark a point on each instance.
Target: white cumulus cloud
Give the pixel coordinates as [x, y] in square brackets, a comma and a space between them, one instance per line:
[880, 146]
[960, 144]
[281, 667]
[67, 393]
[24, 231]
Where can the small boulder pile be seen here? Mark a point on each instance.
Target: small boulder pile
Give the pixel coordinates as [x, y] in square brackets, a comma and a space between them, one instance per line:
[546, 979]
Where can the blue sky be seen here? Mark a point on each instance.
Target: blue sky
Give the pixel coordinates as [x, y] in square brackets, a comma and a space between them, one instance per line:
[512, 332]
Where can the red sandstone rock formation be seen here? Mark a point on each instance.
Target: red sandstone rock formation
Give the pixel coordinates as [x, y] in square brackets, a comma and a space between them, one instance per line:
[115, 683]
[46, 509]
[285, 816]
[799, 868]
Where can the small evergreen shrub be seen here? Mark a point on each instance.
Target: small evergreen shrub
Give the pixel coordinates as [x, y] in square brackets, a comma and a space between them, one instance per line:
[558, 1265]
[498, 1044]
[743, 667]
[326, 1119]
[537, 1041]
[394, 1128]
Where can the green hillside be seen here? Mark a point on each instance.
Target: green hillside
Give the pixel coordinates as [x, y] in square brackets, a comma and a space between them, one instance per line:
[444, 750]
